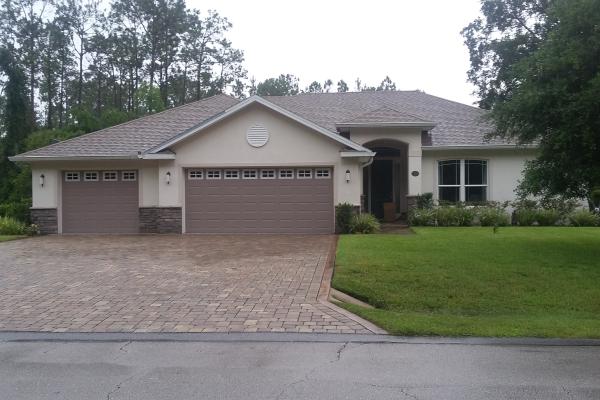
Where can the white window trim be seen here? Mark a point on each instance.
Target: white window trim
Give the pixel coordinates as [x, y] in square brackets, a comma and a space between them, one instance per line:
[86, 179]
[249, 177]
[75, 174]
[317, 170]
[286, 177]
[198, 172]
[310, 175]
[116, 175]
[210, 172]
[462, 193]
[231, 171]
[262, 171]
[124, 179]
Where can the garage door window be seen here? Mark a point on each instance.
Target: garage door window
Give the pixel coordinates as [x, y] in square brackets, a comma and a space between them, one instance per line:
[322, 173]
[250, 174]
[109, 176]
[72, 177]
[128, 176]
[304, 173]
[267, 174]
[286, 174]
[213, 174]
[195, 174]
[90, 176]
[232, 174]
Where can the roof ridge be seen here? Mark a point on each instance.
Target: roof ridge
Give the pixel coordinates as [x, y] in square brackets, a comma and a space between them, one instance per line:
[126, 123]
[344, 93]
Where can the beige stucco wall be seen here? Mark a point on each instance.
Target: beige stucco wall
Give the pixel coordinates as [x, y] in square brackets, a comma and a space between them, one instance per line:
[504, 169]
[410, 136]
[225, 145]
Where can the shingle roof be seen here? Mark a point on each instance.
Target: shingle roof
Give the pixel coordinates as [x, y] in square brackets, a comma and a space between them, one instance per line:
[456, 124]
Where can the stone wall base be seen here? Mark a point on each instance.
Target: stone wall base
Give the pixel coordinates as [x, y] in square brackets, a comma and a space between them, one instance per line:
[160, 220]
[46, 220]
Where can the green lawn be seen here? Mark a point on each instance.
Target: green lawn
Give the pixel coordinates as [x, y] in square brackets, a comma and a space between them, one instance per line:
[4, 238]
[542, 282]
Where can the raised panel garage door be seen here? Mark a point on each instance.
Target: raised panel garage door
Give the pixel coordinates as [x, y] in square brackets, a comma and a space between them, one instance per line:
[298, 200]
[100, 202]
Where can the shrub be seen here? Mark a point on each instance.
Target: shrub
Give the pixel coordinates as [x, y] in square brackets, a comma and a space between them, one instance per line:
[549, 217]
[364, 223]
[343, 217]
[421, 217]
[425, 201]
[493, 216]
[583, 218]
[454, 216]
[18, 210]
[10, 226]
[525, 216]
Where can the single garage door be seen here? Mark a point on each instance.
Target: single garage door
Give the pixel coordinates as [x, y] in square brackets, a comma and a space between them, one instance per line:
[100, 202]
[271, 200]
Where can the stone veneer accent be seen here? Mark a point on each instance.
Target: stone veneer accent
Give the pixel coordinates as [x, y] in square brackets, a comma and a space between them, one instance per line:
[160, 219]
[411, 202]
[46, 219]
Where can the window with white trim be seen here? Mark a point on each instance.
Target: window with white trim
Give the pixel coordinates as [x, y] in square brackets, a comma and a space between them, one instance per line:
[195, 174]
[462, 180]
[213, 174]
[267, 174]
[90, 176]
[128, 176]
[232, 174]
[71, 176]
[322, 173]
[286, 174]
[110, 176]
[304, 173]
[249, 174]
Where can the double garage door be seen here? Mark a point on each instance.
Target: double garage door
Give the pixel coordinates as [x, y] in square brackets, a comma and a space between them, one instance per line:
[100, 202]
[263, 200]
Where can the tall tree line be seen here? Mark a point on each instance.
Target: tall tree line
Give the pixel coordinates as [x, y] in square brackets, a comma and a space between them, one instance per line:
[85, 62]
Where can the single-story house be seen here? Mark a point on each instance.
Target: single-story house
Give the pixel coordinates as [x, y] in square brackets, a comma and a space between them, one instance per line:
[275, 164]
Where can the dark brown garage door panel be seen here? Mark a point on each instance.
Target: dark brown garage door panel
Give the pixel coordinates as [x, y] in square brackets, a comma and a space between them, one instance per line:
[100, 207]
[259, 206]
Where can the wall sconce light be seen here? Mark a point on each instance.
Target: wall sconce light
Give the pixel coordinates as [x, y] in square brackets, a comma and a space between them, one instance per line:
[42, 179]
[168, 177]
[347, 176]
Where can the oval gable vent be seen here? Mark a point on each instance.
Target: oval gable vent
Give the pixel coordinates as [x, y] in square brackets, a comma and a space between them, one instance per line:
[257, 136]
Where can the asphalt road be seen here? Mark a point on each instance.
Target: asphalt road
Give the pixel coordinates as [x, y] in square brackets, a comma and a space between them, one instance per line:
[290, 369]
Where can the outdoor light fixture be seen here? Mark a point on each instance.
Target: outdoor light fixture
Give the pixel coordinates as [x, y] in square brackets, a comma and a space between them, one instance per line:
[347, 176]
[42, 178]
[168, 178]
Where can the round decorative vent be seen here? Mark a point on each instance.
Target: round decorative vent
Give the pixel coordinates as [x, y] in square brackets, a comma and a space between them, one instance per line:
[257, 136]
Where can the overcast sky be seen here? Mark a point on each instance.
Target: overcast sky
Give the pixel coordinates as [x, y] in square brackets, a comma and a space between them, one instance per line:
[416, 42]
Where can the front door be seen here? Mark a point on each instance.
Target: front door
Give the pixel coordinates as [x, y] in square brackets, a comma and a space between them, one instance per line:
[382, 185]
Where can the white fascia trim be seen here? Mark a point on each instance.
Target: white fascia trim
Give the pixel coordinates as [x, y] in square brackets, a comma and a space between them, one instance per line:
[245, 103]
[480, 147]
[92, 158]
[407, 124]
[351, 154]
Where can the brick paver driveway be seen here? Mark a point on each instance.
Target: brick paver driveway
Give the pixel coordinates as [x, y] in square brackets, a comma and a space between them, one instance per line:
[167, 284]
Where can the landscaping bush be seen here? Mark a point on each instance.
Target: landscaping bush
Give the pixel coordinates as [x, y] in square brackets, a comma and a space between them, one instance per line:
[547, 217]
[583, 218]
[425, 201]
[364, 223]
[18, 210]
[492, 216]
[454, 216]
[343, 217]
[421, 217]
[10, 226]
[525, 216]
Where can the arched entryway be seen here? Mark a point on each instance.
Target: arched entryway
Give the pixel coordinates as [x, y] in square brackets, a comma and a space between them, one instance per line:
[385, 181]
